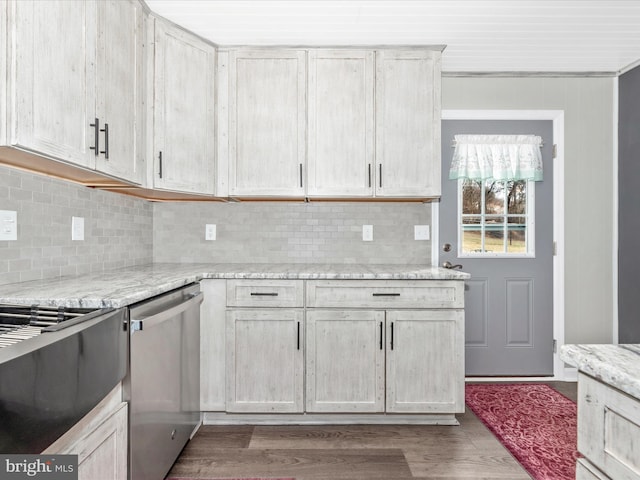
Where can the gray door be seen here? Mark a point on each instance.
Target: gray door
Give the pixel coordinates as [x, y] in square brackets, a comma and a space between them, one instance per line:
[508, 301]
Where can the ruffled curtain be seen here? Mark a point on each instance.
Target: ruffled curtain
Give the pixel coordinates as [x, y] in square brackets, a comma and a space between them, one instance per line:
[497, 157]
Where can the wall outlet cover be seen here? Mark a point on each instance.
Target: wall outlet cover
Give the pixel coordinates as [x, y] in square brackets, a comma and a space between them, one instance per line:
[77, 228]
[210, 232]
[367, 233]
[421, 232]
[8, 225]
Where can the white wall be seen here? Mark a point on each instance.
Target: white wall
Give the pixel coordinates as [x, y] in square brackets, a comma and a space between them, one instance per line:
[588, 104]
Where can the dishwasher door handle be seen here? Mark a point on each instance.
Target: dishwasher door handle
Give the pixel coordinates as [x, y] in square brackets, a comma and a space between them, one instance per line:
[139, 324]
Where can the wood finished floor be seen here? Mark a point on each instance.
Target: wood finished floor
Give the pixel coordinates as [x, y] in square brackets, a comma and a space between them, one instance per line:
[353, 452]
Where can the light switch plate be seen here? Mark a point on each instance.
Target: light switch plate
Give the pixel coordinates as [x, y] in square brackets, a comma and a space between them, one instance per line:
[77, 228]
[421, 232]
[367, 233]
[210, 231]
[8, 225]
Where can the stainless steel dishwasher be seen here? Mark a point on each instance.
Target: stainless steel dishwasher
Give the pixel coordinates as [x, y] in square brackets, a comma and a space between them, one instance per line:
[163, 384]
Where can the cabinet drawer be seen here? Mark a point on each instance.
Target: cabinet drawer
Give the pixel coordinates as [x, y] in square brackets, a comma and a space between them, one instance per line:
[608, 423]
[264, 293]
[385, 293]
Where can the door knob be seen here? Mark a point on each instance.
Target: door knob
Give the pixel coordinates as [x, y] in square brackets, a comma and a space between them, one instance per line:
[448, 264]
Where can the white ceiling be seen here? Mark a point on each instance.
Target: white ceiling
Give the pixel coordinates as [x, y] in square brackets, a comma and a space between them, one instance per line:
[481, 36]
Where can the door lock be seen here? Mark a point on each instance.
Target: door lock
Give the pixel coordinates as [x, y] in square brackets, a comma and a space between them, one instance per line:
[446, 247]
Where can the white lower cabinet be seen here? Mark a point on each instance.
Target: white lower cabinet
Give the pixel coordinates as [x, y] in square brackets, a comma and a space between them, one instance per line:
[425, 361]
[315, 347]
[100, 440]
[102, 454]
[265, 360]
[586, 471]
[345, 361]
[608, 429]
[348, 352]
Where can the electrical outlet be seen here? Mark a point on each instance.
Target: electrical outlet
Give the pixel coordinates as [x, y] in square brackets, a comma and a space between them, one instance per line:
[77, 228]
[210, 231]
[367, 233]
[8, 225]
[421, 232]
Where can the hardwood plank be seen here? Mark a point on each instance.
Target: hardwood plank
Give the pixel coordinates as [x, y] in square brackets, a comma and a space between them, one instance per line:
[464, 463]
[222, 436]
[356, 436]
[301, 464]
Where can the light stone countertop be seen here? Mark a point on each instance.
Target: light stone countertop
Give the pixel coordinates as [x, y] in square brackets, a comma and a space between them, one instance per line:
[616, 365]
[126, 286]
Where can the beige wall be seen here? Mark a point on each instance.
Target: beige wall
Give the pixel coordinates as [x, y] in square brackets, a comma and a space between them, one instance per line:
[588, 104]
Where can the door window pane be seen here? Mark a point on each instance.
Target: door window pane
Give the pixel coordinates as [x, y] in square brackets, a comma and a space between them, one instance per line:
[517, 197]
[495, 219]
[471, 197]
[494, 197]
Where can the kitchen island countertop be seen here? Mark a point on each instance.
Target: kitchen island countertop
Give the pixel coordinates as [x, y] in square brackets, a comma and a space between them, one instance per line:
[126, 286]
[616, 365]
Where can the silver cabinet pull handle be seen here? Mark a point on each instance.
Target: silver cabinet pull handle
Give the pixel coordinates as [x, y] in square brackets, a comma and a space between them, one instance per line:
[96, 136]
[106, 141]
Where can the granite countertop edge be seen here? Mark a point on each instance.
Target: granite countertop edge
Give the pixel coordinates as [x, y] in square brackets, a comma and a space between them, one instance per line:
[616, 365]
[126, 286]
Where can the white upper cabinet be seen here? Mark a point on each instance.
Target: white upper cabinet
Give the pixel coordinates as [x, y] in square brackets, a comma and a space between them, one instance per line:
[52, 76]
[74, 82]
[119, 94]
[341, 123]
[184, 111]
[408, 123]
[266, 127]
[373, 119]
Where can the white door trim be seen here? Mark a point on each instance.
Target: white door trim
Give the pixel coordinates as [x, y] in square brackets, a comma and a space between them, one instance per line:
[557, 117]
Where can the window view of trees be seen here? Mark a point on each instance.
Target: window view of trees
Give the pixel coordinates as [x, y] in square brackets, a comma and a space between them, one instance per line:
[494, 216]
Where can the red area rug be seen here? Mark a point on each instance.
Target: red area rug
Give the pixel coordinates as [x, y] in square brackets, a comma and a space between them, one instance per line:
[534, 422]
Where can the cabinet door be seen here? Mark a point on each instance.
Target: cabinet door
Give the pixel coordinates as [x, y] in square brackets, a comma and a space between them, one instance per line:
[267, 128]
[345, 361]
[408, 123]
[341, 123]
[103, 453]
[118, 88]
[53, 78]
[184, 128]
[265, 360]
[425, 361]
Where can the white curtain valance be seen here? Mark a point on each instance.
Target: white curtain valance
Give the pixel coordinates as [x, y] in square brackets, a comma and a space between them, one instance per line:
[497, 157]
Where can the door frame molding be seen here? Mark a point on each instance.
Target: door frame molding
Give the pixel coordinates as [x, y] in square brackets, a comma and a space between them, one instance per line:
[557, 117]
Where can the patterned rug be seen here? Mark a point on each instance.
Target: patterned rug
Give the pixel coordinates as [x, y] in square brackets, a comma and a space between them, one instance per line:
[229, 478]
[534, 422]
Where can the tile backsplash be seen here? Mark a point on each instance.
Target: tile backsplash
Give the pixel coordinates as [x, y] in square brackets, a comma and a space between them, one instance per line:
[121, 230]
[316, 232]
[117, 230]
